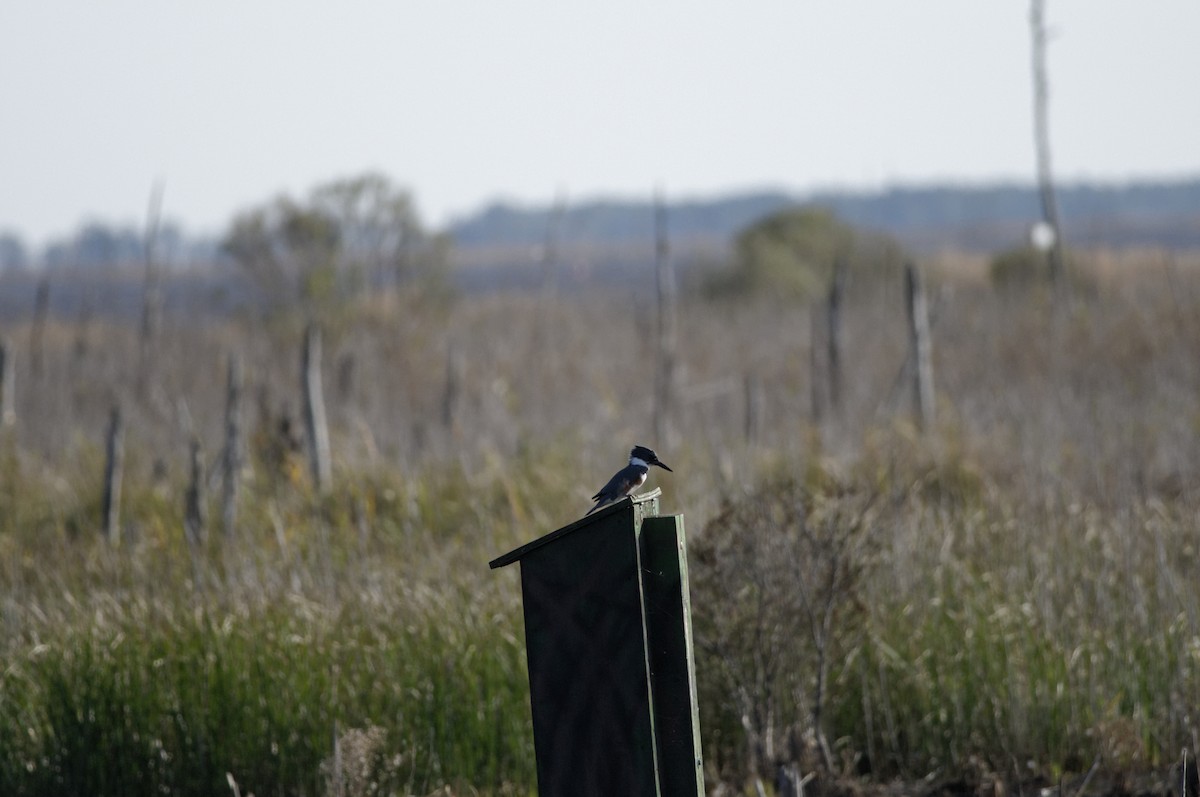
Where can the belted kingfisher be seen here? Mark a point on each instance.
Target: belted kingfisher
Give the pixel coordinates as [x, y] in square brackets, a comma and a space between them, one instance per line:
[628, 478]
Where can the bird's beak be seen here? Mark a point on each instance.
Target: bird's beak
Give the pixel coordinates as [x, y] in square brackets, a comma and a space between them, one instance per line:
[661, 464]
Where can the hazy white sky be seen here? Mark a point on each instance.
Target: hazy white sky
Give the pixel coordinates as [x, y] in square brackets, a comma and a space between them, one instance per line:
[464, 102]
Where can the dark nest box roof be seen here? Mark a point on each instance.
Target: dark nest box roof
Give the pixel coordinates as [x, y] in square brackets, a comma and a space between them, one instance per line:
[599, 515]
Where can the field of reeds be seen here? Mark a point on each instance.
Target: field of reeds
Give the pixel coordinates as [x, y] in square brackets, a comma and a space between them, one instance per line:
[1007, 597]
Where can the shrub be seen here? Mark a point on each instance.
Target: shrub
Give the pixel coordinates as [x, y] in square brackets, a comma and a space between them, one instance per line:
[785, 565]
[792, 254]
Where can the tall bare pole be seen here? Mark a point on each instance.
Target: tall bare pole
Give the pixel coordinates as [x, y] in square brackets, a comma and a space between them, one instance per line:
[194, 514]
[452, 393]
[114, 466]
[152, 291]
[921, 354]
[664, 376]
[8, 378]
[1041, 138]
[753, 416]
[816, 394]
[232, 455]
[549, 255]
[314, 410]
[837, 287]
[37, 329]
[542, 369]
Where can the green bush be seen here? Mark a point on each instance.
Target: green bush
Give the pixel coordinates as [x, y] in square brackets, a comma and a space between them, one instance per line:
[792, 254]
[1025, 268]
[1022, 267]
[785, 567]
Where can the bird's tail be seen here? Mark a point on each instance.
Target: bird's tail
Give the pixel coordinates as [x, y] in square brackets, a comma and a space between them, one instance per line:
[600, 503]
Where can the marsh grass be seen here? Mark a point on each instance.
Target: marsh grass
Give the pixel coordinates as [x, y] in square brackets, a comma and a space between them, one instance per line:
[173, 703]
[983, 636]
[156, 668]
[1027, 602]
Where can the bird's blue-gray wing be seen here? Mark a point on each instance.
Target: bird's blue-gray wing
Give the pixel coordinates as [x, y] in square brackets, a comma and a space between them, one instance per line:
[618, 485]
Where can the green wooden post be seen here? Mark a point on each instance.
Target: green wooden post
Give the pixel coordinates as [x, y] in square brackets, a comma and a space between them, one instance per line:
[611, 672]
[672, 665]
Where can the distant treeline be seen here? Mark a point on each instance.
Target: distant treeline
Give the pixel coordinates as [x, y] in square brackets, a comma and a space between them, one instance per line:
[97, 244]
[984, 217]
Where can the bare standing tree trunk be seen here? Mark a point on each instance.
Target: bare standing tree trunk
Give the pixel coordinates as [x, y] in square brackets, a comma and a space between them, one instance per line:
[114, 465]
[814, 366]
[549, 254]
[232, 454]
[152, 291]
[314, 410]
[452, 393]
[194, 515]
[83, 325]
[837, 287]
[920, 348]
[8, 377]
[1041, 137]
[37, 330]
[754, 402]
[542, 367]
[664, 377]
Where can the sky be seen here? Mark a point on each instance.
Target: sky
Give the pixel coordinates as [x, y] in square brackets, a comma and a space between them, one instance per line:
[230, 104]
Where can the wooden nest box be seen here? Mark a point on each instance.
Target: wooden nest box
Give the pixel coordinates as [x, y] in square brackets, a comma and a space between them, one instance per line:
[612, 678]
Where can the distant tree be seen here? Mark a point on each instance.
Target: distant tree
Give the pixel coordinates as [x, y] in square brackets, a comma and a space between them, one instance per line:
[59, 253]
[95, 245]
[1023, 268]
[792, 253]
[13, 254]
[381, 234]
[351, 234]
[287, 249]
[100, 245]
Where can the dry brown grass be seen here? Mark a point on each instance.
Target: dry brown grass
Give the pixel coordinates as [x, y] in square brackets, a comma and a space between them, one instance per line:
[1032, 593]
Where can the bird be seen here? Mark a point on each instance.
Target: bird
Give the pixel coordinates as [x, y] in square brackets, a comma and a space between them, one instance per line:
[628, 478]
